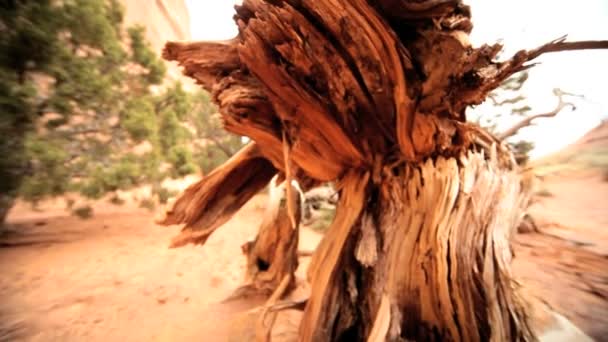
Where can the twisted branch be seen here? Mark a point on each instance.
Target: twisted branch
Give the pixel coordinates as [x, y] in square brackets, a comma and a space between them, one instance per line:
[528, 121]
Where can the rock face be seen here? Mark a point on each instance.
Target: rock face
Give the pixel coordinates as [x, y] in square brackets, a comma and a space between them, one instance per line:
[164, 20]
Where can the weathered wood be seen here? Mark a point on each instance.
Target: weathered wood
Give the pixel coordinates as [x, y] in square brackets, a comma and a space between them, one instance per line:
[273, 254]
[372, 96]
[441, 258]
[325, 268]
[208, 204]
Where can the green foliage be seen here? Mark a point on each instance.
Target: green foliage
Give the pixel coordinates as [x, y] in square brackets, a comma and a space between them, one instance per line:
[216, 146]
[164, 194]
[139, 119]
[144, 56]
[521, 149]
[46, 166]
[180, 158]
[75, 59]
[511, 108]
[25, 46]
[515, 82]
[28, 35]
[15, 120]
[181, 102]
[171, 131]
[93, 24]
[122, 174]
[79, 84]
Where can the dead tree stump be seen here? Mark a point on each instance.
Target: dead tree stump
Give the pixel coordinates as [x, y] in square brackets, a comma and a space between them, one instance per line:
[372, 95]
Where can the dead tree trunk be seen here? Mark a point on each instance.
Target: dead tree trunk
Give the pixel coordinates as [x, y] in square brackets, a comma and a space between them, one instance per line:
[273, 254]
[427, 261]
[373, 96]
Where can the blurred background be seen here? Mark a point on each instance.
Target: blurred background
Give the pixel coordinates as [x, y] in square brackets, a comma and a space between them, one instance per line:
[98, 134]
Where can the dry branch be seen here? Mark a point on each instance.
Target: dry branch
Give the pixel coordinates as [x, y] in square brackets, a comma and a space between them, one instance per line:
[491, 76]
[561, 44]
[208, 204]
[528, 120]
[325, 267]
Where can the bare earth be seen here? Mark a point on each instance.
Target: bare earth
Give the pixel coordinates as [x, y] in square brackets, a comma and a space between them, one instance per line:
[567, 263]
[112, 277]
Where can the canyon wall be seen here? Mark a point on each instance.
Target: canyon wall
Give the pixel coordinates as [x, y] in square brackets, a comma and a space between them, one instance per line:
[164, 20]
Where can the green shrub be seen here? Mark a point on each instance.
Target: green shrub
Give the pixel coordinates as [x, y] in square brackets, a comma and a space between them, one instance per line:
[171, 131]
[164, 194]
[521, 150]
[181, 159]
[84, 212]
[97, 81]
[48, 174]
[145, 56]
[139, 119]
[123, 174]
[147, 203]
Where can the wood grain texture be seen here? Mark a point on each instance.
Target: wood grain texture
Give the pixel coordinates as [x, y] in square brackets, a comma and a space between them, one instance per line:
[273, 254]
[442, 258]
[208, 204]
[372, 95]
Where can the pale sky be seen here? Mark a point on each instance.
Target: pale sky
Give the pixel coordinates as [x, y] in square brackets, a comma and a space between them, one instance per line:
[518, 24]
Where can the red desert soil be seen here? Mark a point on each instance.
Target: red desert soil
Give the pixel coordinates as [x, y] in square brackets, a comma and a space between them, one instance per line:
[112, 277]
[567, 263]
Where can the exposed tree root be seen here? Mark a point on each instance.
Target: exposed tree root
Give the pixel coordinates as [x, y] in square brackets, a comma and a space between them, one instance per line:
[268, 316]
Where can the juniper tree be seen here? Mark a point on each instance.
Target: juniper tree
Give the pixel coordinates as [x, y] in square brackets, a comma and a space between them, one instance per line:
[85, 104]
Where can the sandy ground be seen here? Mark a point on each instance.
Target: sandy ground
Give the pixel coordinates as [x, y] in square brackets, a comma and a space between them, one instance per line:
[566, 264]
[112, 277]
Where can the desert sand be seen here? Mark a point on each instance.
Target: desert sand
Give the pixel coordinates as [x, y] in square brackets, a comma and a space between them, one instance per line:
[113, 278]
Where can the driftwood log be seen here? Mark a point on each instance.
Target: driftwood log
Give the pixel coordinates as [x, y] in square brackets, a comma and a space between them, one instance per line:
[372, 95]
